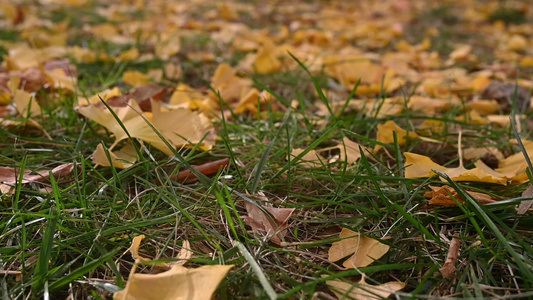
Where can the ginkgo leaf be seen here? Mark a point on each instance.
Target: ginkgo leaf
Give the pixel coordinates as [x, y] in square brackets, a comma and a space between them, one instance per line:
[310, 160]
[25, 104]
[386, 131]
[135, 78]
[192, 127]
[266, 61]
[362, 290]
[131, 118]
[177, 283]
[363, 250]
[420, 166]
[122, 159]
[349, 150]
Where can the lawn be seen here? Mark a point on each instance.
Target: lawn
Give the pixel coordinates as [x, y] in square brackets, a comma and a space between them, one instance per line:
[266, 149]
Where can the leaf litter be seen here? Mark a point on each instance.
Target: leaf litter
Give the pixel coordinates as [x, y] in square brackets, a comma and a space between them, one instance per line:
[447, 82]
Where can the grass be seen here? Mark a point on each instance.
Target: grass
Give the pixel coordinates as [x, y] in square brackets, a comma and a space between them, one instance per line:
[70, 237]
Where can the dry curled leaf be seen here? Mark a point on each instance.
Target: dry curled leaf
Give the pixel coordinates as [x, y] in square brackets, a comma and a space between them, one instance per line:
[445, 195]
[448, 269]
[274, 222]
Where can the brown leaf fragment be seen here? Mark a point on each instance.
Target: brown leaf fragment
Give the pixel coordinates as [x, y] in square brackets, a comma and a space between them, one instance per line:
[208, 168]
[443, 196]
[448, 269]
[11, 175]
[141, 95]
[526, 205]
[274, 224]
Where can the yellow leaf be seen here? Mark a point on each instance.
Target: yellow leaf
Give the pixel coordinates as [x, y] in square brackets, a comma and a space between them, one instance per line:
[363, 290]
[183, 127]
[266, 61]
[386, 131]
[364, 250]
[472, 117]
[129, 55]
[515, 165]
[177, 283]
[526, 62]
[26, 104]
[420, 166]
[104, 95]
[479, 83]
[227, 12]
[461, 53]
[517, 43]
[59, 80]
[130, 117]
[135, 78]
[310, 160]
[485, 107]
[475, 153]
[122, 159]
[349, 150]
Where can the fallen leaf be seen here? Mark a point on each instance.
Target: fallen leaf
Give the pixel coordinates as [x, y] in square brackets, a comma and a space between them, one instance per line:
[177, 283]
[420, 166]
[135, 78]
[183, 127]
[445, 195]
[11, 175]
[349, 150]
[131, 118]
[25, 104]
[362, 290]
[386, 131]
[527, 204]
[209, 168]
[448, 269]
[363, 250]
[121, 159]
[274, 224]
[310, 160]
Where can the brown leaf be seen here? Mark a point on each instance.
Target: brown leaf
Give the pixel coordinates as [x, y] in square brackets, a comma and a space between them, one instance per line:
[448, 269]
[526, 205]
[443, 196]
[208, 168]
[274, 224]
[141, 95]
[11, 175]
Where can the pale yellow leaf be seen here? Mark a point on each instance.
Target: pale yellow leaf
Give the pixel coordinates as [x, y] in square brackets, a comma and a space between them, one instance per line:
[364, 250]
[132, 120]
[122, 159]
[362, 290]
[310, 160]
[183, 127]
[25, 103]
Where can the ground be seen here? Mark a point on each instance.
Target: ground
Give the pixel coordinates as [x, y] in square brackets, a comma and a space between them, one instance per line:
[265, 136]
